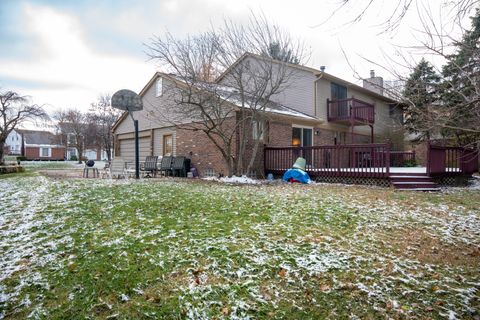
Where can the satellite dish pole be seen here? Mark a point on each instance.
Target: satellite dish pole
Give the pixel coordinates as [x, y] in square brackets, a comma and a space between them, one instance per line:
[129, 101]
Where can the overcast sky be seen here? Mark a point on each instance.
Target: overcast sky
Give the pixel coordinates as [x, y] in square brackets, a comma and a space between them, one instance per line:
[65, 53]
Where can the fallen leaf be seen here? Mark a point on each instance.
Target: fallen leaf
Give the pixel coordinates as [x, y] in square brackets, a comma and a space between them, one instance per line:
[225, 311]
[324, 287]
[282, 273]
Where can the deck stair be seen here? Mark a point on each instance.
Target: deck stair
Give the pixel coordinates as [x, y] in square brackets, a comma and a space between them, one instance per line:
[413, 182]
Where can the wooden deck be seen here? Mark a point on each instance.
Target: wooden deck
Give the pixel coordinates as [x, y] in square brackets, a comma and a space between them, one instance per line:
[374, 160]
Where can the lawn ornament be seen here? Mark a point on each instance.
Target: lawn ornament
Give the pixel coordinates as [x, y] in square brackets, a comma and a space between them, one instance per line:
[297, 172]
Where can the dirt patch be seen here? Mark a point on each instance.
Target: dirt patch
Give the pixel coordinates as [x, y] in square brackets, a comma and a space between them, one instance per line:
[419, 245]
[62, 173]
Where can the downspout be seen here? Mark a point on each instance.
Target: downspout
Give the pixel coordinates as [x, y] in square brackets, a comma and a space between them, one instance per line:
[319, 76]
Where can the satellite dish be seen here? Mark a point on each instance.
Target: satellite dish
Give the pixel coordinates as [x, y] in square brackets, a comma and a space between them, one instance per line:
[127, 100]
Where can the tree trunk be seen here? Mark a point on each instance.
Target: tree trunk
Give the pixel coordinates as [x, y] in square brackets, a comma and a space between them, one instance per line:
[254, 155]
[2, 144]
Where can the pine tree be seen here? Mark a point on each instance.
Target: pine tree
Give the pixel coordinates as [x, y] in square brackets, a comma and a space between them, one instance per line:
[461, 87]
[420, 97]
[275, 52]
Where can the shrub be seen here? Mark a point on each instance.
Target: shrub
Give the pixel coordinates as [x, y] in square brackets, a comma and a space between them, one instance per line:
[410, 163]
[73, 158]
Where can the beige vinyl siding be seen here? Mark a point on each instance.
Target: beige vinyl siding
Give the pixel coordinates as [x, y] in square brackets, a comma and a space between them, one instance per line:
[297, 92]
[153, 107]
[158, 140]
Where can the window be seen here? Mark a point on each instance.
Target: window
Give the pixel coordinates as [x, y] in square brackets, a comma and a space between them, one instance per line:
[168, 145]
[302, 137]
[71, 138]
[45, 152]
[258, 130]
[339, 92]
[159, 87]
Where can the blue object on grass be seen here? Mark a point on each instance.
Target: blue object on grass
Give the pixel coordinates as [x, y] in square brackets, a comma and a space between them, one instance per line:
[296, 175]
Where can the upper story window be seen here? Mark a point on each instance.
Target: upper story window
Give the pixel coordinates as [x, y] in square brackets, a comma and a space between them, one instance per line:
[71, 138]
[159, 87]
[338, 92]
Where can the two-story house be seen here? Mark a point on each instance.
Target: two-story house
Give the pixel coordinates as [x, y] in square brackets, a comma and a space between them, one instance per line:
[315, 108]
[14, 143]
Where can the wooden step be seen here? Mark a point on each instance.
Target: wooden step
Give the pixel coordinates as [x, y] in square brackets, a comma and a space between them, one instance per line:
[414, 185]
[413, 182]
[419, 189]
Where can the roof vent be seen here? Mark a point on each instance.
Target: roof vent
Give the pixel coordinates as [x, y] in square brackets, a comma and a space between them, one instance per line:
[372, 73]
[322, 68]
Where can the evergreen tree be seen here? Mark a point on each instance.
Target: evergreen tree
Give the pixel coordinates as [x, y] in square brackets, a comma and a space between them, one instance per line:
[275, 51]
[421, 96]
[461, 87]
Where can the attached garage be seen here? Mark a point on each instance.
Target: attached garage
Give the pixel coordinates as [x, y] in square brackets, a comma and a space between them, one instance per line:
[126, 147]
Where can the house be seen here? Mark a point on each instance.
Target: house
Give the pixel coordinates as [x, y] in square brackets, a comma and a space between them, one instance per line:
[41, 145]
[71, 135]
[315, 109]
[14, 143]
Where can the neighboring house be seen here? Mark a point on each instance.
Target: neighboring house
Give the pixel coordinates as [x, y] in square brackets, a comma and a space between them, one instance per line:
[91, 151]
[316, 108]
[41, 145]
[14, 143]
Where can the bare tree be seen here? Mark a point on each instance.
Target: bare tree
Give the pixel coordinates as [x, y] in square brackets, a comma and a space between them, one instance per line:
[14, 109]
[453, 112]
[358, 10]
[103, 116]
[238, 100]
[73, 126]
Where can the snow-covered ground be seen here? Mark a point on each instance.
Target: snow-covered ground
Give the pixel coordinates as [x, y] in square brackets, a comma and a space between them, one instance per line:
[159, 248]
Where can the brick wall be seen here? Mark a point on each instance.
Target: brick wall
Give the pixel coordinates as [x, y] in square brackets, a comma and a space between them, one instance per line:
[203, 153]
[33, 153]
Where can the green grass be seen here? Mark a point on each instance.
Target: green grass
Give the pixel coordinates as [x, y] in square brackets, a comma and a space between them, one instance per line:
[174, 250]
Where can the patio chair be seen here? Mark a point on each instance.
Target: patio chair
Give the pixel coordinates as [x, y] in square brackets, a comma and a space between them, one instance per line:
[150, 166]
[117, 169]
[180, 166]
[166, 165]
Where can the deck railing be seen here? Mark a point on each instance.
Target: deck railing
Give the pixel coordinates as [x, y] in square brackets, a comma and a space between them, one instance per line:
[402, 158]
[350, 110]
[359, 160]
[443, 160]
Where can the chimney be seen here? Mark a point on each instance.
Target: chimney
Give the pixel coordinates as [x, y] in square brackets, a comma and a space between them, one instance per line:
[374, 83]
[322, 68]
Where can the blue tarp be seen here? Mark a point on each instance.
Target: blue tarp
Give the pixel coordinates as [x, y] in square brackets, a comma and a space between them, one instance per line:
[298, 175]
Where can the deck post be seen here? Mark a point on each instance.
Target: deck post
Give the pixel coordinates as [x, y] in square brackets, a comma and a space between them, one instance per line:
[387, 161]
[428, 157]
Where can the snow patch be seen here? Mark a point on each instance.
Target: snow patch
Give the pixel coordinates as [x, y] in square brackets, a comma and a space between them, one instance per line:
[234, 179]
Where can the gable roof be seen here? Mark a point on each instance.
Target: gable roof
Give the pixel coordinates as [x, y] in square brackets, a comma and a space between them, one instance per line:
[38, 137]
[316, 72]
[225, 93]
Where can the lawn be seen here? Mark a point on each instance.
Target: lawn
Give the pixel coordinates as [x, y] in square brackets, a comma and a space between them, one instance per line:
[73, 248]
